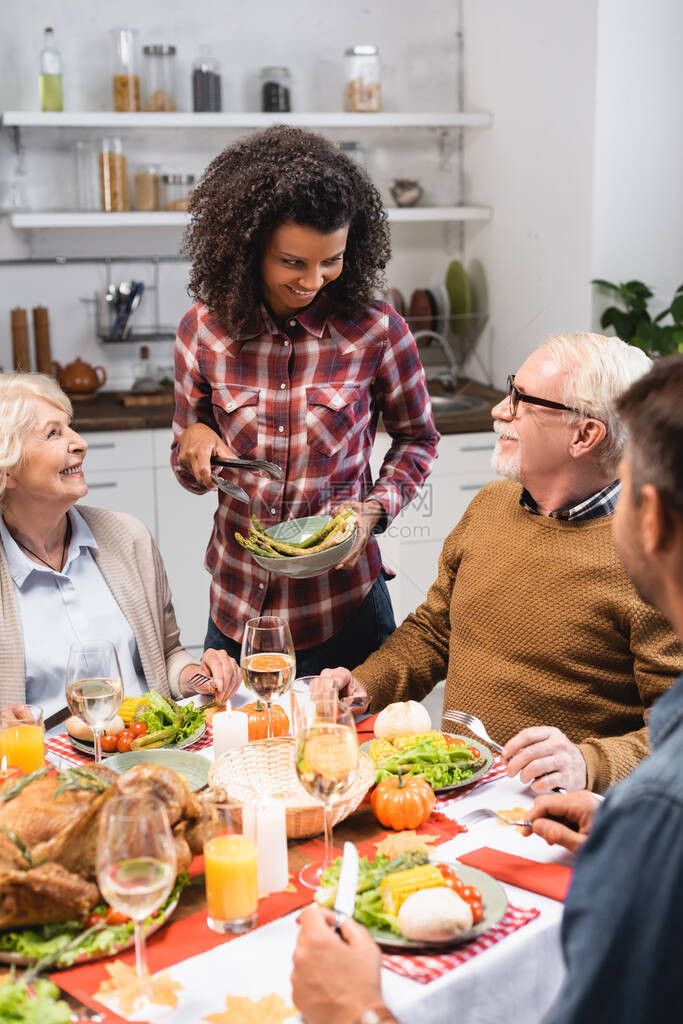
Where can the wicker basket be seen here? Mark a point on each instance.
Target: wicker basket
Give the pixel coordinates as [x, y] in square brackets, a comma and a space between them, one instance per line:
[268, 767]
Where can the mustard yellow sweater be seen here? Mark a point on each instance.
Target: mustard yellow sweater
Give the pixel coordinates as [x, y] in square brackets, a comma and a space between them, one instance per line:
[533, 621]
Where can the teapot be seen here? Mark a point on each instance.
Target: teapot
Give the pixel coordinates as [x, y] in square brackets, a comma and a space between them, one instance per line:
[80, 379]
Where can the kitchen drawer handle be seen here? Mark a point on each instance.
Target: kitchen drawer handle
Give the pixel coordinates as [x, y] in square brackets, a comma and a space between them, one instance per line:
[472, 487]
[101, 445]
[93, 487]
[477, 448]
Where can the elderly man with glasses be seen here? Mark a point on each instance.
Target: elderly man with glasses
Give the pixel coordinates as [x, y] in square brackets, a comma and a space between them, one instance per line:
[532, 620]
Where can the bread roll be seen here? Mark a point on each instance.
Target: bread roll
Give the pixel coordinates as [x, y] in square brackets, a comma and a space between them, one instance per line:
[80, 731]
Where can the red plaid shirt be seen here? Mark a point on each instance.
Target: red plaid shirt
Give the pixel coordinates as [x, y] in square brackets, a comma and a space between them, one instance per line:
[306, 396]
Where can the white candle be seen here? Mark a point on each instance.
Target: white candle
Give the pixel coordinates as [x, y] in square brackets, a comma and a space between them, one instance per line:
[230, 730]
[266, 826]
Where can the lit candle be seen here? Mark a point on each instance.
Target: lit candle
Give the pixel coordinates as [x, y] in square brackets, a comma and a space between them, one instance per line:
[230, 730]
[265, 822]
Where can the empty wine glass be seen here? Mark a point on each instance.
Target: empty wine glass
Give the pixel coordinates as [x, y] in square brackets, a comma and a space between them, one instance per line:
[268, 662]
[327, 759]
[94, 688]
[136, 861]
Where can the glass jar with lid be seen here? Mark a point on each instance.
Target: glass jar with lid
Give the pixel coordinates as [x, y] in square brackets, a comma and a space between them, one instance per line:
[276, 90]
[125, 75]
[206, 83]
[146, 187]
[159, 78]
[88, 189]
[363, 93]
[176, 190]
[353, 150]
[113, 176]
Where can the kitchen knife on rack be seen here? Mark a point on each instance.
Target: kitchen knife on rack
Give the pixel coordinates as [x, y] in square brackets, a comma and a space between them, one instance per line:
[346, 888]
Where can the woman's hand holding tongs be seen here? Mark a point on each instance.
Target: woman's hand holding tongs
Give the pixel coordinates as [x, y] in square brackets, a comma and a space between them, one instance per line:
[196, 445]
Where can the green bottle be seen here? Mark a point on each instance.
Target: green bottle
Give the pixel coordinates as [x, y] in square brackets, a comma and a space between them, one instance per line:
[50, 74]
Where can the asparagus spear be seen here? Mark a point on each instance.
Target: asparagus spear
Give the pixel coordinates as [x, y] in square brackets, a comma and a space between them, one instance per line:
[315, 538]
[256, 548]
[332, 538]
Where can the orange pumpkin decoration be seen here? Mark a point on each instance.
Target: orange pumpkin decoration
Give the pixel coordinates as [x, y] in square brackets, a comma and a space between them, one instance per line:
[258, 722]
[402, 802]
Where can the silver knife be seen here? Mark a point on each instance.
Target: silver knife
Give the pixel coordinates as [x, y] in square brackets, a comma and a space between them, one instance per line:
[346, 889]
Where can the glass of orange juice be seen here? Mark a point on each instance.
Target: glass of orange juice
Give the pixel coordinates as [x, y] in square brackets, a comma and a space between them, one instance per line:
[230, 867]
[22, 738]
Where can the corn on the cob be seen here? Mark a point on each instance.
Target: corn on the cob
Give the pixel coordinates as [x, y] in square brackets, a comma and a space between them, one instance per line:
[380, 749]
[437, 738]
[128, 708]
[397, 887]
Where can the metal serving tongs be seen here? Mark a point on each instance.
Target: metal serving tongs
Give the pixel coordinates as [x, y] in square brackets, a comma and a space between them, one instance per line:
[259, 466]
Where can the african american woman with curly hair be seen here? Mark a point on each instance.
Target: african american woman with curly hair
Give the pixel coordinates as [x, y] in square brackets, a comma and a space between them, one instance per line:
[288, 356]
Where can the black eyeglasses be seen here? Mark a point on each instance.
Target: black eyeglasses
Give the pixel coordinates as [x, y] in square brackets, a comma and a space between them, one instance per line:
[516, 396]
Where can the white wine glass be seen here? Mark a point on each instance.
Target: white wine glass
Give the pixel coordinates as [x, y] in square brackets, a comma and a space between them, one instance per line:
[327, 758]
[94, 688]
[136, 862]
[268, 662]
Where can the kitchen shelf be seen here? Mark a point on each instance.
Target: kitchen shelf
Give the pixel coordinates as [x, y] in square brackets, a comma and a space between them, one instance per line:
[314, 119]
[67, 219]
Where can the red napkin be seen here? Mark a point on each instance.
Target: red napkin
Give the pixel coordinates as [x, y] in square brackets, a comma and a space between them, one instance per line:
[366, 729]
[546, 879]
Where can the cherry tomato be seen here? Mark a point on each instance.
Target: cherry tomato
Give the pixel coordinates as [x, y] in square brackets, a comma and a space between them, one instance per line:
[471, 894]
[125, 739]
[116, 917]
[448, 873]
[477, 911]
[93, 919]
[109, 742]
[474, 751]
[138, 728]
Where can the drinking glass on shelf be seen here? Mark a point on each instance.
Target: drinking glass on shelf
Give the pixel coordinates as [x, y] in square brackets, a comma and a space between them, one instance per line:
[22, 738]
[136, 861]
[268, 662]
[230, 860]
[327, 759]
[94, 689]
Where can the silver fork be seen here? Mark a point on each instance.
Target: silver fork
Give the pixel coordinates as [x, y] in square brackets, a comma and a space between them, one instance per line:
[474, 724]
[199, 678]
[475, 817]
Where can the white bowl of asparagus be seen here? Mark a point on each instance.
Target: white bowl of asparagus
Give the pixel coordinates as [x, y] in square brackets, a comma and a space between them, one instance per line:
[301, 548]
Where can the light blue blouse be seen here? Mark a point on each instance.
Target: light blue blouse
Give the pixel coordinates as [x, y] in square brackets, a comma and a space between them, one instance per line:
[58, 609]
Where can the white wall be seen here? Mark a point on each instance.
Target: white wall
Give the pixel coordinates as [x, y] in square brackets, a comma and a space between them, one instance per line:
[532, 63]
[638, 212]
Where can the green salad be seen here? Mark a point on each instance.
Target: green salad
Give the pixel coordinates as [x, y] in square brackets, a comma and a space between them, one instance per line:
[440, 767]
[166, 721]
[369, 910]
[44, 941]
[19, 1006]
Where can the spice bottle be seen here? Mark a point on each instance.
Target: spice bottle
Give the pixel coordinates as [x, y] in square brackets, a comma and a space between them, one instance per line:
[362, 80]
[113, 176]
[276, 96]
[146, 187]
[126, 78]
[50, 74]
[159, 78]
[206, 83]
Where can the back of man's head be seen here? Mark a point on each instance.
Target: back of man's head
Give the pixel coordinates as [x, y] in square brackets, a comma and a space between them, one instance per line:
[652, 412]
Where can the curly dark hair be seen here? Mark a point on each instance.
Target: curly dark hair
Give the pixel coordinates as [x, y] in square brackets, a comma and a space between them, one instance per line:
[248, 190]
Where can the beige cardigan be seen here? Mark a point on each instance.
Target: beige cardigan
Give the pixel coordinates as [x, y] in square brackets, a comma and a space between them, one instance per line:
[131, 564]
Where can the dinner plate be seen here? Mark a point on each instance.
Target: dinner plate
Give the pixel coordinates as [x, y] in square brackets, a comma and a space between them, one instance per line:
[443, 304]
[28, 961]
[193, 767]
[88, 748]
[478, 774]
[494, 903]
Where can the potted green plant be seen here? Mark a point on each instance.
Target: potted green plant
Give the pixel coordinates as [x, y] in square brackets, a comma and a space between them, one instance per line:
[634, 324]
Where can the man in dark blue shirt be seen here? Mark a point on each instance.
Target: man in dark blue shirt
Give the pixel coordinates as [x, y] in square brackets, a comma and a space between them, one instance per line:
[622, 930]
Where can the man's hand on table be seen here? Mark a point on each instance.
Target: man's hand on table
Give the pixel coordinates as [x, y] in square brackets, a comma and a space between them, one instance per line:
[335, 981]
[223, 671]
[368, 514]
[196, 445]
[350, 690]
[579, 808]
[545, 758]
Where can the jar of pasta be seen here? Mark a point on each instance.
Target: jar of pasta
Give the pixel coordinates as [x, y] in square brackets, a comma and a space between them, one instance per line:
[159, 78]
[146, 187]
[176, 190]
[362, 80]
[126, 74]
[113, 176]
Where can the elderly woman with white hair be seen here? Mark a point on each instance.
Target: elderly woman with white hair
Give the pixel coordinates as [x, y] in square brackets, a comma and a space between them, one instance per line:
[76, 574]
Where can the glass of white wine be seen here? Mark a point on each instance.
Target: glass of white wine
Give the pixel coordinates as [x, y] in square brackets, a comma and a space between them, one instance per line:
[94, 688]
[268, 662]
[327, 758]
[136, 862]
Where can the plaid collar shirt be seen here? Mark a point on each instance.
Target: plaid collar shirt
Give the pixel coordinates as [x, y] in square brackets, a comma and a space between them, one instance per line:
[602, 503]
[306, 396]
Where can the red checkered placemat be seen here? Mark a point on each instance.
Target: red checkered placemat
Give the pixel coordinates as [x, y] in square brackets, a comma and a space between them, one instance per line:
[61, 746]
[427, 968]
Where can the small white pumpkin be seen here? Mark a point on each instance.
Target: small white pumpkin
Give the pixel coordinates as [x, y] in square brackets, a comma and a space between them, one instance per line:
[405, 718]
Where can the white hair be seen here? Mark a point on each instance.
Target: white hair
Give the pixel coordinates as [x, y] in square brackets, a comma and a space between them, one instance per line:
[599, 370]
[18, 394]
